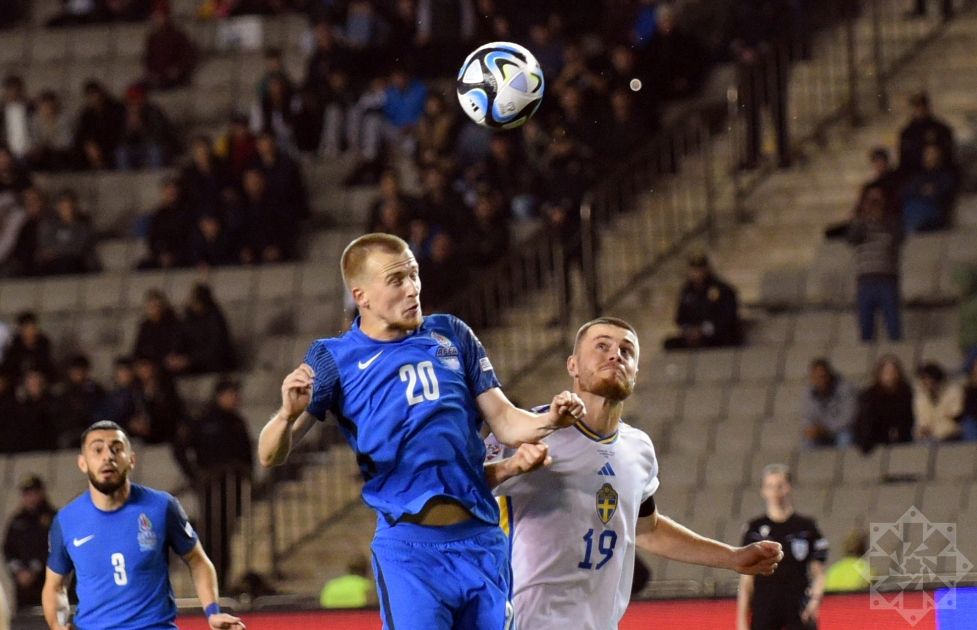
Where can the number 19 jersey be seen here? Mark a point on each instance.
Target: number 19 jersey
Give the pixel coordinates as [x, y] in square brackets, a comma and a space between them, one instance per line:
[407, 408]
[572, 527]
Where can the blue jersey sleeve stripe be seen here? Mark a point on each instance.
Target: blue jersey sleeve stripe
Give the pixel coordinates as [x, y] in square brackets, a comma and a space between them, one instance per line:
[179, 533]
[58, 559]
[326, 380]
[478, 370]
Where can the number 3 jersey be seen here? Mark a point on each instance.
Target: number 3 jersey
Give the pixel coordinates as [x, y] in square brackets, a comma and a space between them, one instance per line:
[407, 408]
[572, 527]
[121, 559]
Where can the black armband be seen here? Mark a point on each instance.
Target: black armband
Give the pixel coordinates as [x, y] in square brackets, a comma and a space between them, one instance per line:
[647, 507]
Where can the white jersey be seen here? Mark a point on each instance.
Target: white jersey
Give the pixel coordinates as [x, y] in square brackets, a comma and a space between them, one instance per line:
[572, 527]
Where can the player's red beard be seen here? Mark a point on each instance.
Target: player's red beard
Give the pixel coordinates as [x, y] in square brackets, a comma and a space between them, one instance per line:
[612, 385]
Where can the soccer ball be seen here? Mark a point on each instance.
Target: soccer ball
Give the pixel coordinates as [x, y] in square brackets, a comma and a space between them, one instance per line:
[500, 85]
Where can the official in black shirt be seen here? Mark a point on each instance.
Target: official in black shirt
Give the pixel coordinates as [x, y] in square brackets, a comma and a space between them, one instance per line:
[25, 545]
[790, 598]
[707, 310]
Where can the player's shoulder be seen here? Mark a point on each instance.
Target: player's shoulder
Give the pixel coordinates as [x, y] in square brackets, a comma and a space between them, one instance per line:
[445, 322]
[151, 496]
[81, 504]
[805, 521]
[634, 434]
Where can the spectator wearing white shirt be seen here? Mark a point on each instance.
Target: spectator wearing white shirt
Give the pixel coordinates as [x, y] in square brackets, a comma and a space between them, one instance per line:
[16, 134]
[937, 403]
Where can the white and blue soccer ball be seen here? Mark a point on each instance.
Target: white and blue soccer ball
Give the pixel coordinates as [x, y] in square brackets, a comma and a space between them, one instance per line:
[500, 85]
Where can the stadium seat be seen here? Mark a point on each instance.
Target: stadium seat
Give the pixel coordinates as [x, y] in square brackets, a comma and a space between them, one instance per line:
[18, 295]
[667, 368]
[662, 402]
[942, 501]
[25, 464]
[59, 294]
[944, 350]
[817, 466]
[954, 462]
[734, 439]
[857, 467]
[797, 361]
[157, 467]
[139, 283]
[779, 435]
[276, 282]
[722, 472]
[703, 401]
[48, 46]
[90, 42]
[215, 73]
[892, 500]
[908, 461]
[760, 364]
[129, 40]
[748, 401]
[811, 500]
[787, 401]
[851, 501]
[679, 470]
[851, 360]
[232, 284]
[102, 291]
[815, 327]
[714, 366]
[782, 288]
[123, 72]
[690, 435]
[12, 47]
[674, 500]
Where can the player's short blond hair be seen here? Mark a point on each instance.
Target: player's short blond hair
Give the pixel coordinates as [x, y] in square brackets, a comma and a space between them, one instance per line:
[777, 469]
[358, 251]
[610, 321]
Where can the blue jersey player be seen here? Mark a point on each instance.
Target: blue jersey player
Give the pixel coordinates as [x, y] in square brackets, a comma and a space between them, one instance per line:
[116, 539]
[410, 393]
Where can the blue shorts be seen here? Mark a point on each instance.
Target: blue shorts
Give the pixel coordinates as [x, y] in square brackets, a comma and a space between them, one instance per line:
[443, 578]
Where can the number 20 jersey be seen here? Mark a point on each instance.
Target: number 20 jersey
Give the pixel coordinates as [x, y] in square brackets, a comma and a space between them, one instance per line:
[407, 408]
[572, 527]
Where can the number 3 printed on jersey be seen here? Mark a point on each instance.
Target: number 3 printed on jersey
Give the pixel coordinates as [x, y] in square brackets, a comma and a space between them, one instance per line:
[119, 562]
[423, 372]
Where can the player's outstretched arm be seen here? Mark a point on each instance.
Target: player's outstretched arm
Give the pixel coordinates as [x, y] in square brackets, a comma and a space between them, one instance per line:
[205, 584]
[664, 537]
[526, 459]
[54, 600]
[513, 426]
[291, 422]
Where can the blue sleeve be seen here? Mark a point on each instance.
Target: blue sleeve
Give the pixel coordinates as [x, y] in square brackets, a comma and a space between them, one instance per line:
[179, 532]
[326, 382]
[58, 559]
[478, 369]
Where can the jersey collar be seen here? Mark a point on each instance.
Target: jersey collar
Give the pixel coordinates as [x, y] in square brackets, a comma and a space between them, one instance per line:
[579, 425]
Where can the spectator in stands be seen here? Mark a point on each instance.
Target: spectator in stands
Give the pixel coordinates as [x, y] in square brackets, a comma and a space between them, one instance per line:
[923, 129]
[760, 46]
[237, 145]
[216, 452]
[25, 251]
[269, 222]
[169, 226]
[353, 590]
[272, 111]
[708, 312]
[830, 404]
[329, 56]
[968, 417]
[568, 172]
[12, 220]
[66, 239]
[393, 217]
[877, 238]
[170, 54]
[937, 404]
[34, 424]
[30, 348]
[283, 177]
[11, 14]
[160, 336]
[123, 402]
[885, 408]
[436, 133]
[75, 12]
[389, 191]
[99, 128]
[404, 101]
[444, 271]
[919, 10]
[850, 572]
[25, 545]
[211, 244]
[205, 333]
[441, 206]
[676, 59]
[51, 138]
[8, 413]
[13, 177]
[206, 179]
[80, 402]
[159, 408]
[505, 170]
[308, 115]
[885, 178]
[929, 194]
[15, 128]
[626, 129]
[338, 104]
[487, 238]
[147, 137]
[125, 10]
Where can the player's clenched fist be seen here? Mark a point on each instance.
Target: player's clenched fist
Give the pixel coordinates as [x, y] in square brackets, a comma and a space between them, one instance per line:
[529, 457]
[759, 558]
[566, 409]
[297, 391]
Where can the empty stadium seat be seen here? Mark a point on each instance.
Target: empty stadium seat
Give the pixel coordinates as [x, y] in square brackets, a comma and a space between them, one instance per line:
[714, 366]
[817, 466]
[703, 401]
[857, 467]
[761, 364]
[908, 461]
[748, 401]
[954, 462]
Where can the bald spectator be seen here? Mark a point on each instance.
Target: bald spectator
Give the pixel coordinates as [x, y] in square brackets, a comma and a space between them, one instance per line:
[170, 54]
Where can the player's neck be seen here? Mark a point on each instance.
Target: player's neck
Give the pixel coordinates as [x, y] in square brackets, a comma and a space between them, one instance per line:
[780, 513]
[603, 414]
[379, 331]
[111, 502]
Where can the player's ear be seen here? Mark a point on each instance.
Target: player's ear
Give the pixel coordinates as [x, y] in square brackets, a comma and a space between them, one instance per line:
[82, 464]
[359, 297]
[572, 365]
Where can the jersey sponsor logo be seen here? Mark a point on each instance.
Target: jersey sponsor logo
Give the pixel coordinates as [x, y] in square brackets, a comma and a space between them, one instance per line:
[78, 542]
[485, 364]
[764, 530]
[606, 503]
[146, 537]
[365, 364]
[447, 353]
[799, 548]
[606, 471]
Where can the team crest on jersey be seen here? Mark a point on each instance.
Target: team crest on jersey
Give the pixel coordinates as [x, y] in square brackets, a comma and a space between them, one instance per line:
[447, 353]
[800, 547]
[606, 503]
[147, 537]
